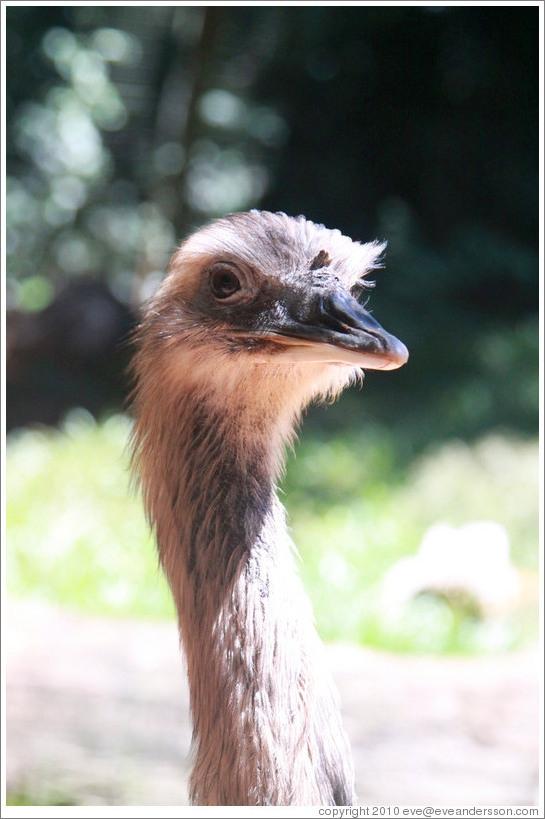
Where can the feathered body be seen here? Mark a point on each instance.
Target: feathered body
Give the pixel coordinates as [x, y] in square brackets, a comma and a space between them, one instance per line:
[219, 390]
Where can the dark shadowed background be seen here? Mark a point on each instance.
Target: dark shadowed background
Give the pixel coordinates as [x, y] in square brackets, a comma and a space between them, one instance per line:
[127, 127]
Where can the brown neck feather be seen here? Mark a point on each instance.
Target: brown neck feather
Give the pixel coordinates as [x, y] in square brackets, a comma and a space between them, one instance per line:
[266, 721]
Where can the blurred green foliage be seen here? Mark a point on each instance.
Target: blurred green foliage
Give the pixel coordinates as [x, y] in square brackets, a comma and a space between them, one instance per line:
[129, 126]
[355, 515]
[77, 534]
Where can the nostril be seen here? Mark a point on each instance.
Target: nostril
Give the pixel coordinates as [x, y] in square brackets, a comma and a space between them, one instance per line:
[331, 316]
[343, 313]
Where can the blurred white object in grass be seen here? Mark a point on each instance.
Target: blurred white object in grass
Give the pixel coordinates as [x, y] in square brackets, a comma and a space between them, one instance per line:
[468, 566]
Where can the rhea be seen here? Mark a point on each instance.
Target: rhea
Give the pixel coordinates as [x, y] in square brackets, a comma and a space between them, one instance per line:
[257, 316]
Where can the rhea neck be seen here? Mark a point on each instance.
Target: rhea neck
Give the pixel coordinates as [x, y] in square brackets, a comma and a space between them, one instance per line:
[225, 487]
[217, 518]
[259, 692]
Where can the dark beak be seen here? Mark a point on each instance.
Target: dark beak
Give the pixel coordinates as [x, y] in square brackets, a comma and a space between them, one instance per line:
[333, 327]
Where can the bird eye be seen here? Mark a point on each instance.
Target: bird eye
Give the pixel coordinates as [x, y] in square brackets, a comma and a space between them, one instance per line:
[223, 282]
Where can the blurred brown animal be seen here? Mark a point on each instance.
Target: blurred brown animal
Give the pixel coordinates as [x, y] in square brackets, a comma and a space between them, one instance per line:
[256, 317]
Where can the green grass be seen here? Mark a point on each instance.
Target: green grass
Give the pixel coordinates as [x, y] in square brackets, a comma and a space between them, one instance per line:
[77, 534]
[354, 516]
[76, 531]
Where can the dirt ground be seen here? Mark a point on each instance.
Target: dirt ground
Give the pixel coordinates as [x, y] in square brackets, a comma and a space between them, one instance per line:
[97, 714]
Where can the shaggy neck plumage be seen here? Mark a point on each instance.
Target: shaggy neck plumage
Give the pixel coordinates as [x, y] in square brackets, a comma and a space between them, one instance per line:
[266, 722]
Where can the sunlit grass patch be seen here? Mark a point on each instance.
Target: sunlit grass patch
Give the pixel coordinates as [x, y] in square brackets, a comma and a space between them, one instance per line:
[76, 530]
[77, 534]
[351, 530]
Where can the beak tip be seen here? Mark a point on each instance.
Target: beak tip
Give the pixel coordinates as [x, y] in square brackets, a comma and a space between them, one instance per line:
[398, 357]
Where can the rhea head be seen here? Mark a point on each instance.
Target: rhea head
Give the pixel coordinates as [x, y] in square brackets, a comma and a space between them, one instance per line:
[265, 307]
